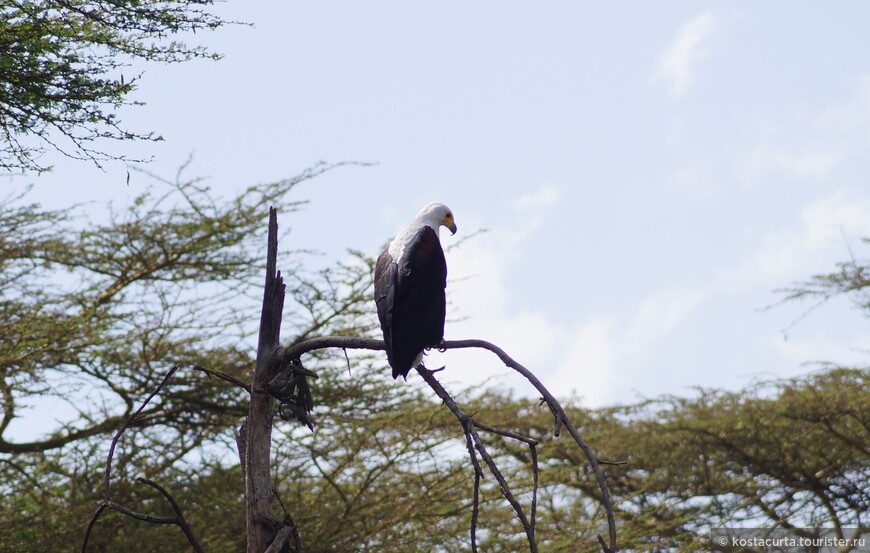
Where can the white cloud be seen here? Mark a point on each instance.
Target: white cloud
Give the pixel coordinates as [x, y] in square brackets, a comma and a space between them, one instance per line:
[479, 292]
[660, 314]
[813, 243]
[795, 162]
[545, 196]
[606, 356]
[812, 143]
[853, 115]
[693, 180]
[606, 360]
[533, 208]
[678, 63]
[589, 363]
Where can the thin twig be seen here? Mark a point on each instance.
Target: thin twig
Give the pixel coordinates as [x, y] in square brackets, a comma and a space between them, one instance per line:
[144, 517]
[224, 376]
[506, 433]
[107, 503]
[181, 521]
[288, 522]
[469, 444]
[126, 424]
[93, 521]
[506, 491]
[475, 509]
[534, 452]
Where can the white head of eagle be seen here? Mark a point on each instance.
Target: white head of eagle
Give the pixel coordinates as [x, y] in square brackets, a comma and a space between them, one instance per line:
[410, 278]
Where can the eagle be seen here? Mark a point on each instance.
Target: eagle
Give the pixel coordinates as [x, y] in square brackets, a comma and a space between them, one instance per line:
[410, 279]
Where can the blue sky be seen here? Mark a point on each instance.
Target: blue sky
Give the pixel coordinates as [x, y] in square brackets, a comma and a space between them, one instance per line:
[649, 172]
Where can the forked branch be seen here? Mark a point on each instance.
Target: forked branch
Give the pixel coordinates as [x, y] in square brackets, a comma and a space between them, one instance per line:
[109, 503]
[284, 356]
[476, 445]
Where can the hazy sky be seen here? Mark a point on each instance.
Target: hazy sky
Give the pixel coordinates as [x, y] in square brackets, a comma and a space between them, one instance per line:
[649, 172]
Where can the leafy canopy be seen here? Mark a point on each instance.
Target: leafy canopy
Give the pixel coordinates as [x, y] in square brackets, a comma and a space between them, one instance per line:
[62, 71]
[95, 312]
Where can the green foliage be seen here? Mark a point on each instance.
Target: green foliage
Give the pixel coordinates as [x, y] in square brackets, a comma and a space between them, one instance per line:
[851, 279]
[108, 308]
[95, 312]
[786, 454]
[783, 454]
[62, 66]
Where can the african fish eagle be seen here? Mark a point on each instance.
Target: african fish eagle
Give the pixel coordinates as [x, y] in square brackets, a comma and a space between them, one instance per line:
[410, 278]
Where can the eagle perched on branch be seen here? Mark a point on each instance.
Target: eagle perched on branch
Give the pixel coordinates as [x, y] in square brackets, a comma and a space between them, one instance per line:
[410, 278]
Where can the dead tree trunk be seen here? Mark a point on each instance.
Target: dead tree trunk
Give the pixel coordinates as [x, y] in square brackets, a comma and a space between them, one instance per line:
[256, 433]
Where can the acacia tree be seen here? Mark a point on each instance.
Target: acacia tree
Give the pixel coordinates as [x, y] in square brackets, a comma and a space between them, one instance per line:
[95, 313]
[63, 65]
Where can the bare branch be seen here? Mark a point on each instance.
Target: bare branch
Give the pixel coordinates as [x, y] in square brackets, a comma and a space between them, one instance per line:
[180, 520]
[224, 376]
[469, 425]
[561, 419]
[283, 356]
[177, 520]
[282, 538]
[288, 523]
[129, 421]
[475, 509]
[534, 452]
[506, 433]
[91, 524]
